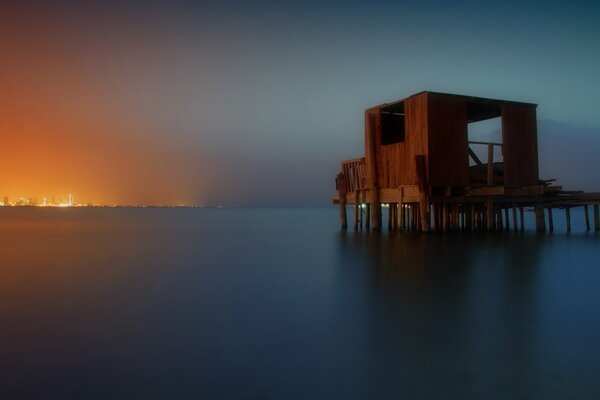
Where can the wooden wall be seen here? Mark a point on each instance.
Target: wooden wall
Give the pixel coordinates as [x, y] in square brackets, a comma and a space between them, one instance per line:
[448, 141]
[519, 138]
[396, 162]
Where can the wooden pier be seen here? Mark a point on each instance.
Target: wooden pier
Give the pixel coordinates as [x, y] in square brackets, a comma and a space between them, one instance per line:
[419, 163]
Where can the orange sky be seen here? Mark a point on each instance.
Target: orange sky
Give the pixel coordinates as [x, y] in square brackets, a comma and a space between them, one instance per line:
[62, 131]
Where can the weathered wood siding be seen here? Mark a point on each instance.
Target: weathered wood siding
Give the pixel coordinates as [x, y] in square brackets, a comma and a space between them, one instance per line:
[448, 141]
[519, 138]
[396, 162]
[371, 143]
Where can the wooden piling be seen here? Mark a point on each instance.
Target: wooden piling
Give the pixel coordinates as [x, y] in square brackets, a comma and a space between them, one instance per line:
[506, 219]
[596, 217]
[587, 217]
[522, 218]
[550, 220]
[421, 168]
[340, 181]
[540, 222]
[568, 218]
[514, 215]
[490, 213]
[490, 165]
[356, 205]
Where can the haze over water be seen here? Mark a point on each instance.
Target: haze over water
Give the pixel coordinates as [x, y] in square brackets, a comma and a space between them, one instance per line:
[279, 304]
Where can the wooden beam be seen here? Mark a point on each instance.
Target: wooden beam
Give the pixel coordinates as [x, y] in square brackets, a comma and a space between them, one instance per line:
[474, 156]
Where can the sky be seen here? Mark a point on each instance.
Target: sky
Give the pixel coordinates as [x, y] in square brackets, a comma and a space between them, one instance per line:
[256, 103]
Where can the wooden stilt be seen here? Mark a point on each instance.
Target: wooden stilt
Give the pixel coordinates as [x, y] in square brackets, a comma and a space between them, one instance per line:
[340, 181]
[446, 217]
[550, 220]
[522, 218]
[568, 217]
[490, 166]
[506, 219]
[356, 210]
[596, 217]
[368, 217]
[587, 217]
[514, 215]
[540, 223]
[421, 168]
[490, 214]
[390, 217]
[499, 223]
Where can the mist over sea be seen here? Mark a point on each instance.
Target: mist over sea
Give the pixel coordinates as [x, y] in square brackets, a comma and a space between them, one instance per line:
[124, 303]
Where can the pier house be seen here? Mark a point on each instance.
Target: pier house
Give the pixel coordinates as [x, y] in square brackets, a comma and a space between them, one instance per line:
[420, 163]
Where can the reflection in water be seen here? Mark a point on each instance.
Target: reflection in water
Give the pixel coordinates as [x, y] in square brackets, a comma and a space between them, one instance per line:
[277, 304]
[464, 312]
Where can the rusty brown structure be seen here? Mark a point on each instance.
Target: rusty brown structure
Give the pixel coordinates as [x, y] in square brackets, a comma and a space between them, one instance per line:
[420, 163]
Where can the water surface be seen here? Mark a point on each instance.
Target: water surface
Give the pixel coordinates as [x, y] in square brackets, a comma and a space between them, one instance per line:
[279, 304]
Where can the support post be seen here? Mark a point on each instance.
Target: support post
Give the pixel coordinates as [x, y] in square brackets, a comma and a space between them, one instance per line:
[568, 217]
[490, 213]
[587, 217]
[421, 168]
[550, 219]
[371, 130]
[356, 210]
[490, 165]
[540, 222]
[340, 182]
[596, 217]
[522, 218]
[514, 215]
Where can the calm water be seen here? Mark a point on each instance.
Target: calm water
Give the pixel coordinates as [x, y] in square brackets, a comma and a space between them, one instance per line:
[278, 304]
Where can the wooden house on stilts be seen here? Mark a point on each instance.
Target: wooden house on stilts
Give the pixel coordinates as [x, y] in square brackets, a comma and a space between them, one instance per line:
[420, 163]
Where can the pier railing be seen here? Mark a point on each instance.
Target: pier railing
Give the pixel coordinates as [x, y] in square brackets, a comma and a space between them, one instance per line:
[354, 172]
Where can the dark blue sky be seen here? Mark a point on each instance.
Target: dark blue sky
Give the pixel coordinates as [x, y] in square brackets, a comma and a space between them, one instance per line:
[255, 103]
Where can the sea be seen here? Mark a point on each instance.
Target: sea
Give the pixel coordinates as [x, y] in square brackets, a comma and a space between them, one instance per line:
[261, 304]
